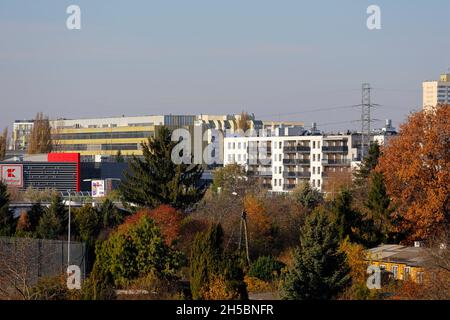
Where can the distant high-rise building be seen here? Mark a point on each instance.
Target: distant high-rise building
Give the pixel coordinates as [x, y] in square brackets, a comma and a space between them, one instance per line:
[436, 92]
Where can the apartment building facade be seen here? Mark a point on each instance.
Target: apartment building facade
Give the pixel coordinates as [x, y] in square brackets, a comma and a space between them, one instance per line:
[436, 92]
[284, 158]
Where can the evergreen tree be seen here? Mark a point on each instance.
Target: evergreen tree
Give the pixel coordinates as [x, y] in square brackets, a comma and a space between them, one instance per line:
[368, 164]
[34, 215]
[346, 219]
[208, 261]
[320, 270]
[307, 196]
[53, 222]
[7, 221]
[156, 179]
[378, 203]
[110, 215]
[49, 226]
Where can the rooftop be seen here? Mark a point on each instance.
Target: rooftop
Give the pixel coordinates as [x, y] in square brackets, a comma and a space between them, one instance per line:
[411, 256]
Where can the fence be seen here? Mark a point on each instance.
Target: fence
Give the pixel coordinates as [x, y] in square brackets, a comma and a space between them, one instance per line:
[26, 260]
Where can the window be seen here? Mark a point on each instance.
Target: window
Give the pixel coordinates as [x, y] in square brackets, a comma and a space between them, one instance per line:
[239, 157]
[281, 145]
[281, 183]
[281, 157]
[406, 273]
[318, 170]
[229, 145]
[275, 182]
[314, 170]
[279, 170]
[314, 144]
[234, 145]
[314, 157]
[318, 157]
[419, 277]
[245, 145]
[314, 183]
[395, 272]
[239, 145]
[318, 183]
[230, 158]
[318, 144]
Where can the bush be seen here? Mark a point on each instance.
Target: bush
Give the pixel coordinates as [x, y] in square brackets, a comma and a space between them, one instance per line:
[51, 289]
[266, 268]
[135, 250]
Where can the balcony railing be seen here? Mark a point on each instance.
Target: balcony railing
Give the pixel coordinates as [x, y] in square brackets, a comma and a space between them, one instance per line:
[335, 149]
[289, 186]
[297, 174]
[297, 149]
[296, 161]
[259, 173]
[336, 162]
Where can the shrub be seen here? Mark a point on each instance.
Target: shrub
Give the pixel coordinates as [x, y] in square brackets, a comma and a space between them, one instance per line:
[136, 250]
[266, 268]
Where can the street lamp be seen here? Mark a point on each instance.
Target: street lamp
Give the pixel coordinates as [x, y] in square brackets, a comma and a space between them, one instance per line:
[68, 230]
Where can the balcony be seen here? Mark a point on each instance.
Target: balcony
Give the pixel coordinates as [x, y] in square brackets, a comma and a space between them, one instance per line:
[260, 173]
[297, 149]
[296, 174]
[335, 149]
[294, 162]
[289, 186]
[336, 162]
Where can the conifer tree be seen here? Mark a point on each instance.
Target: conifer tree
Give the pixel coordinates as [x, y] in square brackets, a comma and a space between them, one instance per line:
[346, 219]
[53, 222]
[378, 203]
[320, 271]
[156, 179]
[34, 215]
[307, 196]
[208, 261]
[6, 215]
[368, 164]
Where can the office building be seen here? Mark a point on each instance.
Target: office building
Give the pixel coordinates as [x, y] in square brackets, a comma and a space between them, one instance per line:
[436, 92]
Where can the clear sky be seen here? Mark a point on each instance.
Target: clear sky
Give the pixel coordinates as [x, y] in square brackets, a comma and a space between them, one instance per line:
[277, 59]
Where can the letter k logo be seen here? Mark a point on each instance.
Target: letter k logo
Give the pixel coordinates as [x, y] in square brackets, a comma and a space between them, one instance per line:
[11, 173]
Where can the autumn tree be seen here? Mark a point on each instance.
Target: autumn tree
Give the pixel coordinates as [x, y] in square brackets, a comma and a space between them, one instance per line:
[243, 122]
[156, 179]
[320, 271]
[230, 178]
[416, 169]
[136, 249]
[167, 218]
[261, 231]
[40, 140]
[3, 144]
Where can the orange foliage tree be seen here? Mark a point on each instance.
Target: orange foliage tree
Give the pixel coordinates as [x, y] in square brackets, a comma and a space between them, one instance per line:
[260, 226]
[167, 218]
[416, 168]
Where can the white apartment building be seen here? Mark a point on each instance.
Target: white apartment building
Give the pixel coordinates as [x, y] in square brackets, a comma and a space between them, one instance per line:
[285, 161]
[285, 158]
[436, 92]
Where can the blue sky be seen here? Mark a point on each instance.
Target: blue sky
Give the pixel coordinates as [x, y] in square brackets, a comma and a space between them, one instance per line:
[277, 59]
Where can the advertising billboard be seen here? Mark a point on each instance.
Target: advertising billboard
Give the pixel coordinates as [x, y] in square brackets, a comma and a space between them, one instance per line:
[98, 188]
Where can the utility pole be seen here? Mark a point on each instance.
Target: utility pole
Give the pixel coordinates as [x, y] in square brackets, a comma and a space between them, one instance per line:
[366, 106]
[244, 226]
